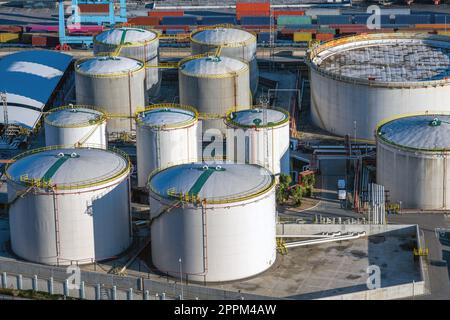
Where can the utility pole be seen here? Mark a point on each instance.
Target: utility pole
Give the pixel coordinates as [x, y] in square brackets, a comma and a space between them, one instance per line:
[5, 112]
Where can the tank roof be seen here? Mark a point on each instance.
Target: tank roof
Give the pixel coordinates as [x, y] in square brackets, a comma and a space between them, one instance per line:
[421, 132]
[167, 116]
[255, 117]
[108, 65]
[68, 168]
[386, 58]
[124, 36]
[222, 36]
[221, 183]
[212, 66]
[74, 116]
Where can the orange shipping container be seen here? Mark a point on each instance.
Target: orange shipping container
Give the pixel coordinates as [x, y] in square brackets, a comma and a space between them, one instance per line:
[432, 26]
[324, 36]
[288, 13]
[252, 9]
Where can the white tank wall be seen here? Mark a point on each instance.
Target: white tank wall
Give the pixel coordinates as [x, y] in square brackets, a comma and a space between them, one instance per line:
[116, 95]
[246, 53]
[417, 179]
[240, 239]
[215, 95]
[335, 105]
[254, 152]
[93, 225]
[62, 136]
[156, 148]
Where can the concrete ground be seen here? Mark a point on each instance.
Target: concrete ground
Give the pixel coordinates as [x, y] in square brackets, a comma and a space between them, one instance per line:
[439, 252]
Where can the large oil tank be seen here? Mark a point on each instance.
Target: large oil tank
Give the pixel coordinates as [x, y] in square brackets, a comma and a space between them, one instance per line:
[214, 85]
[413, 160]
[259, 136]
[358, 81]
[166, 134]
[134, 43]
[76, 126]
[219, 220]
[114, 84]
[69, 205]
[233, 43]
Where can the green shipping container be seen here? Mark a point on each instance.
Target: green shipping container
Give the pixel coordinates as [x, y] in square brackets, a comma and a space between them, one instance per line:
[327, 30]
[293, 20]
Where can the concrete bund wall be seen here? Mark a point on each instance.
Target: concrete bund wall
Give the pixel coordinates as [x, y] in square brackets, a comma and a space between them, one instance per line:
[386, 293]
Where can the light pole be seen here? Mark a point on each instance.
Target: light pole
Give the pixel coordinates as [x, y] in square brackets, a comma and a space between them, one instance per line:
[181, 277]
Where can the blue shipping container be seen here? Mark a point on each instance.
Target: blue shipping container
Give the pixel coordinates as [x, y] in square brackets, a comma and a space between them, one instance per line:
[208, 21]
[171, 21]
[413, 19]
[255, 21]
[362, 19]
[442, 19]
[264, 37]
[331, 19]
[174, 31]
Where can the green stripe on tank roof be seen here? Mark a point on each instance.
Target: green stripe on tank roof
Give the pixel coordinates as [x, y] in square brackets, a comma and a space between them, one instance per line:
[54, 167]
[124, 34]
[200, 182]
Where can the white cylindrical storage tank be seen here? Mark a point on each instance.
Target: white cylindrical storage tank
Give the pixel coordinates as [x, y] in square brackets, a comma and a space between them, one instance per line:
[214, 85]
[134, 43]
[76, 126]
[70, 205]
[114, 84]
[413, 160]
[233, 42]
[166, 135]
[358, 81]
[259, 136]
[221, 221]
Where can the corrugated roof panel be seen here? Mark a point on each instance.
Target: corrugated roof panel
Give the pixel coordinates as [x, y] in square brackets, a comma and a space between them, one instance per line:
[29, 79]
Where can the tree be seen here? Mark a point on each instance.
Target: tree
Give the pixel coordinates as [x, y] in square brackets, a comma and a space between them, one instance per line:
[297, 195]
[281, 194]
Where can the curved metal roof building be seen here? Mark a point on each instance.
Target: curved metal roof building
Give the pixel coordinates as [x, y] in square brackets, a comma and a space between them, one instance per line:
[29, 79]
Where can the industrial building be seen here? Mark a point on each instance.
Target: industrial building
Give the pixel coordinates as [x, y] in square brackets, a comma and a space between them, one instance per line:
[69, 205]
[358, 81]
[412, 160]
[194, 209]
[259, 151]
[259, 136]
[32, 81]
[166, 135]
[75, 126]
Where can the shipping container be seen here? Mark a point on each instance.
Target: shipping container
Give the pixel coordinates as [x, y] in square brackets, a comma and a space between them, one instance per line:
[278, 13]
[9, 37]
[144, 21]
[363, 19]
[174, 31]
[302, 36]
[322, 12]
[42, 28]
[442, 19]
[413, 19]
[444, 33]
[172, 27]
[11, 29]
[264, 37]
[293, 20]
[255, 21]
[186, 20]
[44, 41]
[93, 8]
[212, 20]
[252, 9]
[330, 19]
[161, 14]
[326, 30]
[324, 36]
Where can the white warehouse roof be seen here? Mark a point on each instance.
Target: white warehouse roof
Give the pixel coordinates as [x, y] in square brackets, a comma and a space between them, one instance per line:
[29, 79]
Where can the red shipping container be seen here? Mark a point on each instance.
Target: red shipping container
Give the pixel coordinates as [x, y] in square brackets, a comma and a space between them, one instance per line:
[252, 9]
[11, 29]
[161, 14]
[144, 21]
[324, 36]
[94, 8]
[44, 41]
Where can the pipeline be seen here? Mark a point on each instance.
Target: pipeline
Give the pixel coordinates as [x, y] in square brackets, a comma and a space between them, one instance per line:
[350, 236]
[323, 235]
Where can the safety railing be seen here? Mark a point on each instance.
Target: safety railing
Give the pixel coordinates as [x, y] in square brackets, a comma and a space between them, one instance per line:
[100, 116]
[231, 120]
[190, 111]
